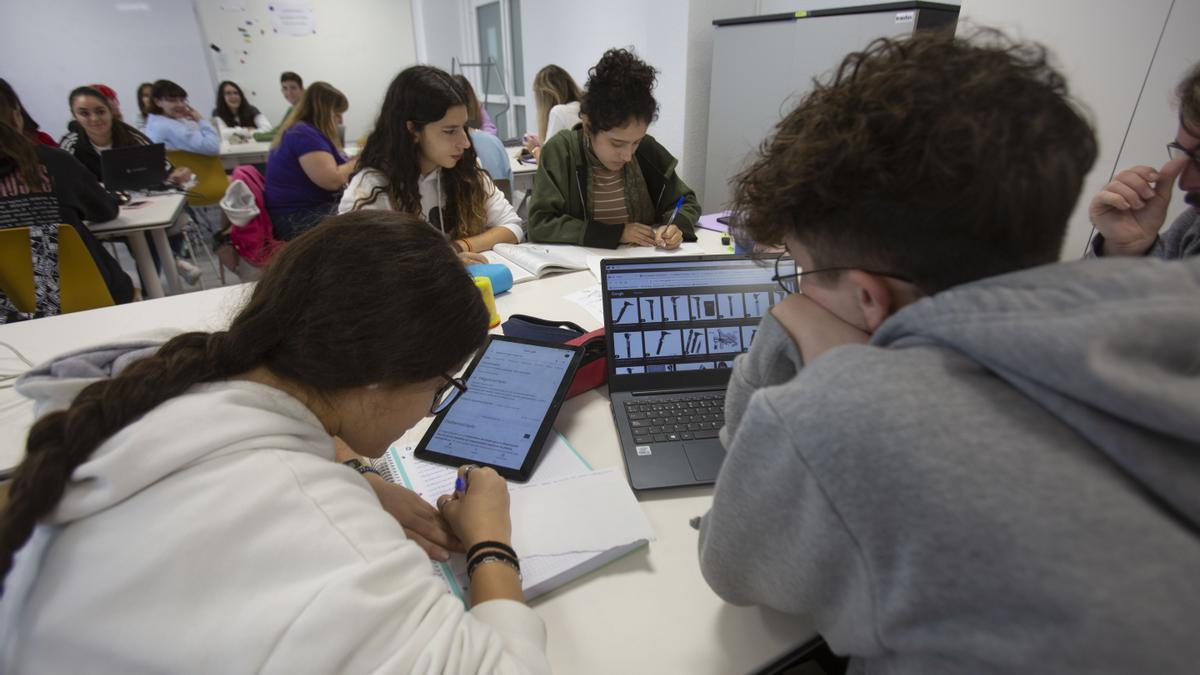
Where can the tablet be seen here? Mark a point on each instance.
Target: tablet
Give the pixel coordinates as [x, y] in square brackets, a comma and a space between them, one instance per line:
[514, 390]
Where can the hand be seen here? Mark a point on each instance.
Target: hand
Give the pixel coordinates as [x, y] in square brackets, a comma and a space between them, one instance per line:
[1129, 211]
[814, 329]
[180, 176]
[531, 141]
[194, 114]
[421, 522]
[479, 513]
[638, 235]
[668, 236]
[472, 258]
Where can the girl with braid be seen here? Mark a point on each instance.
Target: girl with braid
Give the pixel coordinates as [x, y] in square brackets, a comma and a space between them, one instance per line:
[180, 507]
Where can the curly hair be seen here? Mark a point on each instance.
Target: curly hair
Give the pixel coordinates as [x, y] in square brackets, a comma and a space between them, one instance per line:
[941, 159]
[421, 95]
[619, 88]
[1188, 92]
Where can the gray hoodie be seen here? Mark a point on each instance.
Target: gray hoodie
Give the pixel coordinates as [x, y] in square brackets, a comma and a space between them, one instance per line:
[1006, 479]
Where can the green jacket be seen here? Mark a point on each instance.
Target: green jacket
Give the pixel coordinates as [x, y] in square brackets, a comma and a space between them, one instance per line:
[560, 212]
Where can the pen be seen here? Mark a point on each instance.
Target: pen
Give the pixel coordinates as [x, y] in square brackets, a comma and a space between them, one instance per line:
[460, 484]
[674, 213]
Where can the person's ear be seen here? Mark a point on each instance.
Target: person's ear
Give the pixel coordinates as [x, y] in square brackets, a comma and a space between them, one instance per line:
[587, 124]
[412, 130]
[875, 298]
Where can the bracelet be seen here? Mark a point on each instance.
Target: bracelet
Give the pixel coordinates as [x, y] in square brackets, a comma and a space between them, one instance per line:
[361, 467]
[466, 244]
[456, 246]
[494, 557]
[503, 548]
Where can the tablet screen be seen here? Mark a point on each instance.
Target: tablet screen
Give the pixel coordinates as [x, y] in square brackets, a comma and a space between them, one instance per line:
[512, 389]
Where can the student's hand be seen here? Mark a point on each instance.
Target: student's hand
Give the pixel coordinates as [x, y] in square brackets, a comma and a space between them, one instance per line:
[421, 522]
[638, 235]
[194, 114]
[668, 236]
[479, 513]
[472, 258]
[1132, 208]
[814, 329]
[180, 176]
[532, 141]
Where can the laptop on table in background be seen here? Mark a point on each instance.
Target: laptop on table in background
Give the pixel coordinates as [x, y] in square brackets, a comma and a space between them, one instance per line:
[673, 326]
[134, 167]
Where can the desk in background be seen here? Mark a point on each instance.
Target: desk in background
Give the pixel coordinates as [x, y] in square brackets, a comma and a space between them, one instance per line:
[153, 214]
[235, 154]
[649, 612]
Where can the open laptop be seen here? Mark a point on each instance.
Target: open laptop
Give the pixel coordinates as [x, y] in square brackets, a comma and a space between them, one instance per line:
[134, 167]
[674, 325]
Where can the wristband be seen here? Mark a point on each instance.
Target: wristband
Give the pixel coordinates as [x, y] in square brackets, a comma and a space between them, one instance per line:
[456, 246]
[504, 548]
[361, 467]
[466, 244]
[492, 556]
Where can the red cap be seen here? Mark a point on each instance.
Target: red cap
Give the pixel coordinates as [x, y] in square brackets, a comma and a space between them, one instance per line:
[108, 93]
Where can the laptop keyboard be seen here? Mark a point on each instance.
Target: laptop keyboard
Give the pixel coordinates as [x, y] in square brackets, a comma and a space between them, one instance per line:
[676, 419]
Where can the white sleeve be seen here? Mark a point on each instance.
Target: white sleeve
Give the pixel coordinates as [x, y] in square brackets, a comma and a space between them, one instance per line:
[360, 188]
[500, 213]
[560, 118]
[261, 123]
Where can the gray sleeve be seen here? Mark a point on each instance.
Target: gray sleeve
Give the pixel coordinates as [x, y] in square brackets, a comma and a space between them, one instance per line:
[773, 359]
[774, 538]
[1182, 239]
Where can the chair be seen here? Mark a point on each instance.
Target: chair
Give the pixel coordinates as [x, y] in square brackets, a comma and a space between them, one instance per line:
[80, 285]
[211, 183]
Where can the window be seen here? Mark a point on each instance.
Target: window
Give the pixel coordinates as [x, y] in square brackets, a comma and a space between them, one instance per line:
[496, 27]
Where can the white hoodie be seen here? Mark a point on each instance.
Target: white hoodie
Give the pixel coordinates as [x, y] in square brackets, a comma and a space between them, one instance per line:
[216, 534]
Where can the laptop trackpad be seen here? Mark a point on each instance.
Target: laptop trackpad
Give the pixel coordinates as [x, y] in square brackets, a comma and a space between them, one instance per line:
[705, 457]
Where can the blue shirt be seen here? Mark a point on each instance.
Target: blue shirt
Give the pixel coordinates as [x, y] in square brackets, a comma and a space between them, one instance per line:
[190, 135]
[492, 155]
[288, 188]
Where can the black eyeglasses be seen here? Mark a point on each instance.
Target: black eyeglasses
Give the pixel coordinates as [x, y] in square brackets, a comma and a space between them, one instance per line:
[789, 281]
[1175, 151]
[447, 394]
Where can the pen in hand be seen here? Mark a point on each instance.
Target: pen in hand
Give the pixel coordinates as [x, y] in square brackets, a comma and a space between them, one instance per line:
[660, 242]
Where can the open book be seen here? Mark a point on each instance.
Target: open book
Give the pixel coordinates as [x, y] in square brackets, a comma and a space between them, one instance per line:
[567, 520]
[533, 261]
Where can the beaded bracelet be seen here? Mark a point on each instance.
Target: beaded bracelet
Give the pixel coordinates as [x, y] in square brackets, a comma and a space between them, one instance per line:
[493, 556]
[500, 546]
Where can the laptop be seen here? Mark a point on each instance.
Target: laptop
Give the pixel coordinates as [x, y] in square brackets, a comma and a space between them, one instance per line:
[674, 325]
[134, 167]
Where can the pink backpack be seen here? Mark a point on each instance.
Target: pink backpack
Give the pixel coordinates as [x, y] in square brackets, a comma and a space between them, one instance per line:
[255, 241]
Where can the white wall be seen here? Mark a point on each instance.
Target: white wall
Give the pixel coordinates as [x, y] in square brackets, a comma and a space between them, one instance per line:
[57, 46]
[1104, 47]
[781, 6]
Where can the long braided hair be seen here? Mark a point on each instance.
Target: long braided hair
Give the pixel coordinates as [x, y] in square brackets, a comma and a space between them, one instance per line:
[366, 297]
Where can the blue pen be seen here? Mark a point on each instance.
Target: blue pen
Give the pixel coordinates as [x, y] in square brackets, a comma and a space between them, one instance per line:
[674, 213]
[460, 484]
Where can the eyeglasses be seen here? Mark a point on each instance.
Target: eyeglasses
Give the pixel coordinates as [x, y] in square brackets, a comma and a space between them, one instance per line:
[447, 394]
[1175, 151]
[789, 281]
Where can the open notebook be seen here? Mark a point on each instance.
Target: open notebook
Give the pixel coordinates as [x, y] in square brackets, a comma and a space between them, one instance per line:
[567, 520]
[533, 261]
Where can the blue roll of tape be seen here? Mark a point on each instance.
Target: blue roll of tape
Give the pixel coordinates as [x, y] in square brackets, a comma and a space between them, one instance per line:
[499, 275]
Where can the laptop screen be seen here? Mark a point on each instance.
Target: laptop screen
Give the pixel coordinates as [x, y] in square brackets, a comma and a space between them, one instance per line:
[677, 315]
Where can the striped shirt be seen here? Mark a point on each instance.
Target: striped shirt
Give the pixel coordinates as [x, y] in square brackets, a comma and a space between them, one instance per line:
[608, 196]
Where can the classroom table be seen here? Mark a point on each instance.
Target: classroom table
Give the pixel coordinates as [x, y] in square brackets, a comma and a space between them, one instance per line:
[522, 173]
[649, 612]
[252, 152]
[153, 214]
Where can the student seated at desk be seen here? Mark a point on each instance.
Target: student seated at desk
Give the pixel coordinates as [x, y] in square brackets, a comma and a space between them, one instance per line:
[307, 169]
[419, 160]
[493, 156]
[950, 453]
[176, 124]
[234, 115]
[606, 182]
[557, 97]
[181, 508]
[40, 188]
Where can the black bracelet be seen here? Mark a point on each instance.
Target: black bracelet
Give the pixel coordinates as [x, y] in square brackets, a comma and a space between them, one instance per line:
[493, 556]
[361, 466]
[504, 548]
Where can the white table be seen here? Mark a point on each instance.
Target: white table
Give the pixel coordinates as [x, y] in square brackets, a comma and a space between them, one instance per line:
[153, 214]
[252, 152]
[649, 612]
[522, 173]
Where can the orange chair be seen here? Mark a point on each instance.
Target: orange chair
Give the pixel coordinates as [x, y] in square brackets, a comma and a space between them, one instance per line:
[80, 285]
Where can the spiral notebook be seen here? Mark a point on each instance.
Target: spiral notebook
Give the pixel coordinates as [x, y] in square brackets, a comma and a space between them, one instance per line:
[567, 520]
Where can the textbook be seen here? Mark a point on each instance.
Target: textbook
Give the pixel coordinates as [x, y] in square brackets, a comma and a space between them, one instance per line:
[567, 520]
[533, 261]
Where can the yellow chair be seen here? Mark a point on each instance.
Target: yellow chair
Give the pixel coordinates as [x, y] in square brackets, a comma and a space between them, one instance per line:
[80, 285]
[211, 181]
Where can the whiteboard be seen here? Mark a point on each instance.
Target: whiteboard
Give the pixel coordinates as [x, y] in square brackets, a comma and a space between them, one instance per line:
[357, 46]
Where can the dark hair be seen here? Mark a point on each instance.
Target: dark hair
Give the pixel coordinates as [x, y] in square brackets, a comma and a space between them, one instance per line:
[123, 135]
[142, 108]
[619, 88]
[1188, 92]
[472, 101]
[17, 153]
[941, 159]
[289, 76]
[164, 89]
[421, 95]
[303, 322]
[29, 126]
[244, 117]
